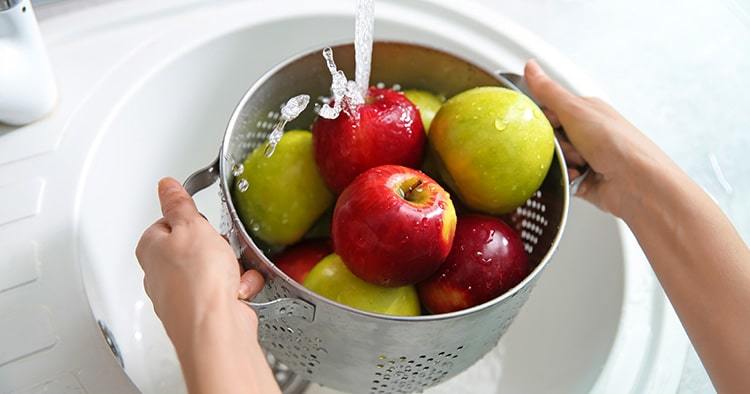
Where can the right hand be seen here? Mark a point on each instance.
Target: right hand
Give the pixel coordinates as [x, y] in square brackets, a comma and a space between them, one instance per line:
[615, 149]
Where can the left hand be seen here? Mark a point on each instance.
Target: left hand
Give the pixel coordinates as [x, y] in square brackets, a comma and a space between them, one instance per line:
[189, 268]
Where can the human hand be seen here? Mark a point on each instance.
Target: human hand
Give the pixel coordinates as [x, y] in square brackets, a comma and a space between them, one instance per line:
[190, 269]
[194, 282]
[617, 151]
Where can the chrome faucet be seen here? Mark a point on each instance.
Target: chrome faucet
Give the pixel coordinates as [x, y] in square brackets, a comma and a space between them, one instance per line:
[27, 86]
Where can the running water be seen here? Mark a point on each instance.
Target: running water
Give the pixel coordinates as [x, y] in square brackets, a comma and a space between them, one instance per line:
[344, 92]
[289, 112]
[363, 28]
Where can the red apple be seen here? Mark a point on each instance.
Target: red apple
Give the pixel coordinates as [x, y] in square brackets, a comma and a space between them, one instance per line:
[387, 129]
[486, 260]
[393, 226]
[299, 259]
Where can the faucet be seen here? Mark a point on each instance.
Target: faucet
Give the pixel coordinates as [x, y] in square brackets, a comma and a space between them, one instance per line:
[27, 86]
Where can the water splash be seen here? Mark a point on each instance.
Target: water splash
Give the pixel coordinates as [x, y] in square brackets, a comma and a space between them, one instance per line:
[363, 29]
[338, 87]
[294, 107]
[343, 92]
[289, 111]
[346, 93]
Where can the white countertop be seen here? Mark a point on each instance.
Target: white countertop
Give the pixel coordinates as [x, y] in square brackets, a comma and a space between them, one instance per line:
[675, 69]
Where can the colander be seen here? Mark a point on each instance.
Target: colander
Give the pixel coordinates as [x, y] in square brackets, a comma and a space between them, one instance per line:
[333, 344]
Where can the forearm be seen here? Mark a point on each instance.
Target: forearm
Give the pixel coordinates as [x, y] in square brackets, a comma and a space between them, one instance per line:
[221, 355]
[703, 265]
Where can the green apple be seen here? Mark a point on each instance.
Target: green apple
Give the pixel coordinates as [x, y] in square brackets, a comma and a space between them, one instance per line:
[331, 279]
[284, 193]
[493, 147]
[427, 103]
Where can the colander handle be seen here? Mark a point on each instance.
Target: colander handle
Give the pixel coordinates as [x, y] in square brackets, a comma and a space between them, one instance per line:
[202, 178]
[271, 310]
[283, 307]
[516, 82]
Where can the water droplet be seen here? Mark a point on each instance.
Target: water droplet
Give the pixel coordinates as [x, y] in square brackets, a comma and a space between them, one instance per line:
[242, 185]
[255, 227]
[238, 169]
[500, 124]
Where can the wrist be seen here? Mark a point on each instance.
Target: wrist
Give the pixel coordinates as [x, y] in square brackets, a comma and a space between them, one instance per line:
[651, 181]
[212, 323]
[221, 354]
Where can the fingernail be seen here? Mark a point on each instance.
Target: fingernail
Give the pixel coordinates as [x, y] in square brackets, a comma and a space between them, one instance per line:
[167, 184]
[244, 290]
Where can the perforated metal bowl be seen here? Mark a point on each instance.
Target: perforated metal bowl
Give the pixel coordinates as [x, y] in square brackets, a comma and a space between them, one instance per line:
[336, 345]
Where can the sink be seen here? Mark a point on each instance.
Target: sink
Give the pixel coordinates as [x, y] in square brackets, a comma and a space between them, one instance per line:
[168, 77]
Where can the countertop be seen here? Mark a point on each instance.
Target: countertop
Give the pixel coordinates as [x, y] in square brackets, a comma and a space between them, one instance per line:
[679, 70]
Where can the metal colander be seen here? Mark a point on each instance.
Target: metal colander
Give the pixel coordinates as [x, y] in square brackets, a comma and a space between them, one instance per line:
[333, 344]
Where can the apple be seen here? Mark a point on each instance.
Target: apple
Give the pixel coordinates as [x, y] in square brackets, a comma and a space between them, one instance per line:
[298, 260]
[493, 147]
[393, 226]
[322, 227]
[331, 279]
[279, 198]
[427, 103]
[386, 129]
[486, 260]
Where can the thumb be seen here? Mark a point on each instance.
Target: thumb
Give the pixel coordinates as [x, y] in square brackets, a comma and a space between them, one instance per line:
[176, 204]
[548, 92]
[251, 283]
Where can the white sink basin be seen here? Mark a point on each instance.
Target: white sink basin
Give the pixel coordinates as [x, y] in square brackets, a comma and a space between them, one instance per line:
[163, 82]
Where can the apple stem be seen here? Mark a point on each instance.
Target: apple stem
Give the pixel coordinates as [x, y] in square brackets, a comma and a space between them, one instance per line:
[416, 184]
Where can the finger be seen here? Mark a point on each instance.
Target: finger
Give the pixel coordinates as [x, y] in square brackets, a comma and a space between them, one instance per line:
[251, 283]
[573, 173]
[176, 204]
[552, 117]
[572, 157]
[548, 92]
[588, 188]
